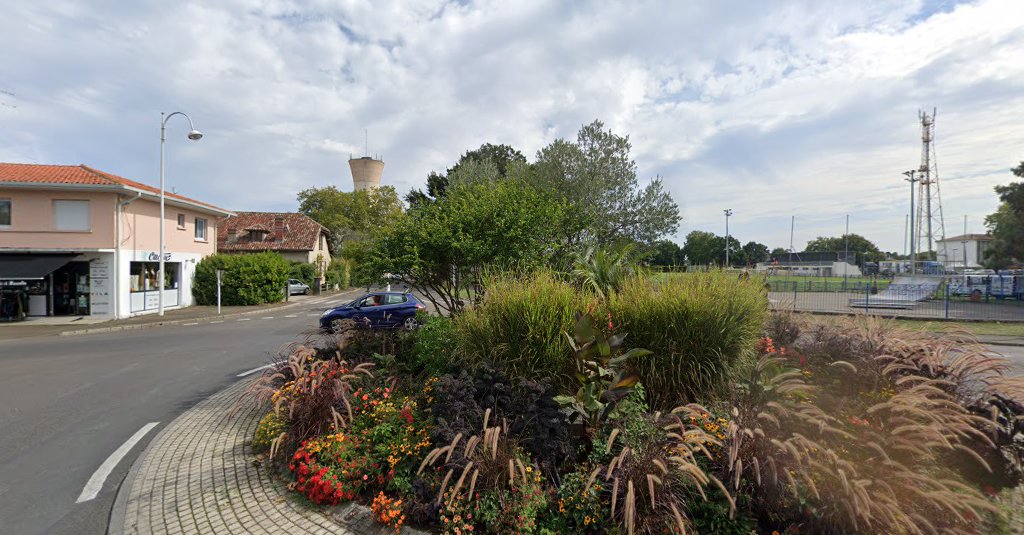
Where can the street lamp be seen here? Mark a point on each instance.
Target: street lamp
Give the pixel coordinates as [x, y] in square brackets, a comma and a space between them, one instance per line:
[913, 252]
[727, 212]
[194, 135]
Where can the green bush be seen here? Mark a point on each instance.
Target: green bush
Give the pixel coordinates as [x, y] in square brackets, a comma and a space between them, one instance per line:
[303, 271]
[435, 344]
[519, 326]
[270, 427]
[699, 326]
[249, 279]
[339, 273]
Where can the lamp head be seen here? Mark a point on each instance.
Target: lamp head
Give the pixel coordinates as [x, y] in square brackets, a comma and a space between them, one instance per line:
[195, 135]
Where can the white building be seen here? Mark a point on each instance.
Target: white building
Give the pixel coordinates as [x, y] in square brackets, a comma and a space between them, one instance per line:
[967, 250]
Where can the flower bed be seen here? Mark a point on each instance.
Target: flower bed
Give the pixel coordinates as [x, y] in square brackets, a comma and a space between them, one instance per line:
[850, 426]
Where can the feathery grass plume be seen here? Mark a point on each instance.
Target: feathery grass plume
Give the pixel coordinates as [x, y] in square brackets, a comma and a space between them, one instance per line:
[862, 420]
[648, 482]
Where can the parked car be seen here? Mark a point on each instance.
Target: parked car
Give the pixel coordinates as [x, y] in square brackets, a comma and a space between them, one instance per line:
[377, 310]
[295, 286]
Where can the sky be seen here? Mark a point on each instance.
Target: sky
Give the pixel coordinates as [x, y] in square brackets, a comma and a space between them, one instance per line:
[804, 108]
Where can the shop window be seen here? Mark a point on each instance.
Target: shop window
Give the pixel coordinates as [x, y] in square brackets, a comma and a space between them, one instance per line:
[143, 276]
[71, 215]
[181, 221]
[200, 229]
[5, 213]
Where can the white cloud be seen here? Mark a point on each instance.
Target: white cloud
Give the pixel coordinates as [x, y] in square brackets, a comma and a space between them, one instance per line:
[771, 108]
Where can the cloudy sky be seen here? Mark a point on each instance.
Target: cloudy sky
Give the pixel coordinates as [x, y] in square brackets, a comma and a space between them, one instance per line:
[773, 109]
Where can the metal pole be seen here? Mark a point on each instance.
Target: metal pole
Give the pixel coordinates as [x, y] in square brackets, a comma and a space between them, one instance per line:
[219, 272]
[846, 247]
[728, 212]
[160, 271]
[913, 250]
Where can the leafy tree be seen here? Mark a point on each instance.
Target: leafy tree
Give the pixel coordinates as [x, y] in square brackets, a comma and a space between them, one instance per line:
[707, 248]
[489, 162]
[865, 249]
[598, 178]
[665, 253]
[754, 252]
[350, 214]
[779, 252]
[1007, 225]
[441, 249]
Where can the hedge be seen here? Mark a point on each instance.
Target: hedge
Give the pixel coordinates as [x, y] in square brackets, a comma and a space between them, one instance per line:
[249, 279]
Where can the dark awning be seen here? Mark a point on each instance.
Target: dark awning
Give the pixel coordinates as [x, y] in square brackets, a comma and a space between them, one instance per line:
[31, 266]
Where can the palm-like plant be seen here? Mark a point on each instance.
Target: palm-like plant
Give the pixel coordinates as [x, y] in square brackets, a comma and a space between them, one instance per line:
[603, 270]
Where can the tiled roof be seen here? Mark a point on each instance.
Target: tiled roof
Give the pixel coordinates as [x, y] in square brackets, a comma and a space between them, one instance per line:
[79, 175]
[300, 233]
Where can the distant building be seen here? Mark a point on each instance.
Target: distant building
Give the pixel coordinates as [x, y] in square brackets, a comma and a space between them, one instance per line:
[295, 236]
[813, 264]
[964, 251]
[366, 172]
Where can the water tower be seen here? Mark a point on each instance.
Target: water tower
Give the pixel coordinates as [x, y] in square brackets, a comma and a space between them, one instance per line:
[366, 172]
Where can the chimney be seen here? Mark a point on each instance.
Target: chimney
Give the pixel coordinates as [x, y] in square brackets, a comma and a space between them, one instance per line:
[279, 228]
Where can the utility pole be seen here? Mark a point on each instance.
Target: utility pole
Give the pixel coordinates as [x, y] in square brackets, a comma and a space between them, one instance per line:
[846, 249]
[913, 252]
[728, 212]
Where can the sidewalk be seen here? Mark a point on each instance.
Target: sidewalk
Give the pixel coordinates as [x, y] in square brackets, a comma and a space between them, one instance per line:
[64, 326]
[200, 476]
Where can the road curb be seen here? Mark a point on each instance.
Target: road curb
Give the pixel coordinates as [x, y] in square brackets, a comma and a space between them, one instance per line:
[117, 328]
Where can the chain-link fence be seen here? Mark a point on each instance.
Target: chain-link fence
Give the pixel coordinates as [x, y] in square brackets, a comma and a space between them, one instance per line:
[994, 297]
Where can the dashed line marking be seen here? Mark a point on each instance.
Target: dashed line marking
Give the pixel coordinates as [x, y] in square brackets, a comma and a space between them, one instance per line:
[245, 319]
[190, 323]
[254, 370]
[267, 318]
[217, 321]
[312, 315]
[95, 484]
[291, 315]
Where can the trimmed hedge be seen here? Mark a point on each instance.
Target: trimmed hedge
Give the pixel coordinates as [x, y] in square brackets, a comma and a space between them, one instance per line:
[303, 271]
[699, 326]
[249, 279]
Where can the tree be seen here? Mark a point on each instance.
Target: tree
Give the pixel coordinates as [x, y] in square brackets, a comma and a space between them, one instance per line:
[754, 252]
[865, 249]
[779, 252]
[489, 162]
[1007, 225]
[350, 215]
[443, 248]
[665, 253]
[597, 177]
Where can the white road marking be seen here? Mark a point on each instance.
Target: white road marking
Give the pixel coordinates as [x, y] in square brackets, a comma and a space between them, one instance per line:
[217, 321]
[267, 317]
[245, 319]
[292, 316]
[254, 370]
[312, 315]
[95, 483]
[190, 323]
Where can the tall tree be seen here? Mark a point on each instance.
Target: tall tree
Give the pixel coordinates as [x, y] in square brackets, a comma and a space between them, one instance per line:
[779, 252]
[350, 214]
[703, 248]
[489, 162]
[865, 249]
[754, 252]
[665, 253]
[1007, 225]
[597, 176]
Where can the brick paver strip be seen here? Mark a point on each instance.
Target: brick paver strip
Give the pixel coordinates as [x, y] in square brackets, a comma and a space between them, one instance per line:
[199, 476]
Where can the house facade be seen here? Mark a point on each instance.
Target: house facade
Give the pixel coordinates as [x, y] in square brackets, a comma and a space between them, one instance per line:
[966, 251]
[295, 236]
[78, 241]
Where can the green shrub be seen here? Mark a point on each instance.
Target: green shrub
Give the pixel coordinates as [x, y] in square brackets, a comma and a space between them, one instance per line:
[339, 273]
[303, 271]
[698, 326]
[435, 344]
[519, 325]
[249, 279]
[269, 428]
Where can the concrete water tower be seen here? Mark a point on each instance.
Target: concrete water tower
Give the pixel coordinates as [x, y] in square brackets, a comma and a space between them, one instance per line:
[366, 172]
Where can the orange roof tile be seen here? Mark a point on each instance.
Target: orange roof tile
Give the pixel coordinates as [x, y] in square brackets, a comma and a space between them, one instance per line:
[80, 175]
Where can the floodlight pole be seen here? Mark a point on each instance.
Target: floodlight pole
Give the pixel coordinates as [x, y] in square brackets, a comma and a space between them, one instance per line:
[727, 212]
[913, 252]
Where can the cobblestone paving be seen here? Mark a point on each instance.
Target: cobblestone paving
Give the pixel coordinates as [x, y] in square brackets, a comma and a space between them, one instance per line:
[199, 476]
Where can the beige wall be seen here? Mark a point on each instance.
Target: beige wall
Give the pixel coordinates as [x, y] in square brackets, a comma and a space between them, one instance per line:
[140, 229]
[33, 226]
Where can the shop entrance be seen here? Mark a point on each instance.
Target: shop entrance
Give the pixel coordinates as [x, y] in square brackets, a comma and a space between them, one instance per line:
[71, 290]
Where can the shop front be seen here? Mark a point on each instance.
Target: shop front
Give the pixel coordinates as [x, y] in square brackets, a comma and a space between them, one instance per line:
[141, 282]
[54, 284]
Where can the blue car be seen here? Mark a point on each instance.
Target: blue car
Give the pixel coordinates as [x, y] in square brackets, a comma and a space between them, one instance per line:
[379, 310]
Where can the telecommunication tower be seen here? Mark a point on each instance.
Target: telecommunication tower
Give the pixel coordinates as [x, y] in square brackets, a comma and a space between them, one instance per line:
[930, 225]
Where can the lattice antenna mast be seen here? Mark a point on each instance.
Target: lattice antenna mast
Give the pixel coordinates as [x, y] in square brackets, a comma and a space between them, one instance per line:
[930, 225]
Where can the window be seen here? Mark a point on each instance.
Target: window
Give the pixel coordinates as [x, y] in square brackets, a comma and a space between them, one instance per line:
[200, 229]
[71, 215]
[181, 221]
[392, 299]
[5, 212]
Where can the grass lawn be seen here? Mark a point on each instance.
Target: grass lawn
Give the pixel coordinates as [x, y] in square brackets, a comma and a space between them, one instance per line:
[993, 328]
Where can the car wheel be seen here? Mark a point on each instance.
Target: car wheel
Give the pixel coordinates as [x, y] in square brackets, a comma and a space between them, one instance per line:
[410, 323]
[336, 324]
[305, 292]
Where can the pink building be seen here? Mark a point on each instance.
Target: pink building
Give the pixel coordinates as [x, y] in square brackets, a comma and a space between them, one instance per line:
[78, 241]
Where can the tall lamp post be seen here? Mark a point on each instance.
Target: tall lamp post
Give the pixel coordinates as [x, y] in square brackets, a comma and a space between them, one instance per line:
[913, 252]
[194, 135]
[727, 212]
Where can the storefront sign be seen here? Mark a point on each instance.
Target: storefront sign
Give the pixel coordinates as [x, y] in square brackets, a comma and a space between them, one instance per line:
[99, 287]
[155, 257]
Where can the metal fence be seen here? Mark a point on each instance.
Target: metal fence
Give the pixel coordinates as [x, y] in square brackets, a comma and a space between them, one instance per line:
[940, 297]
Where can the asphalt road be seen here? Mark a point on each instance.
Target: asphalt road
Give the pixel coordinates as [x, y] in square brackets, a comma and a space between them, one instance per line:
[67, 403]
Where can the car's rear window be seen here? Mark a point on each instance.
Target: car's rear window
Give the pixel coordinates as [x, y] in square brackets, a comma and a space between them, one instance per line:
[395, 299]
